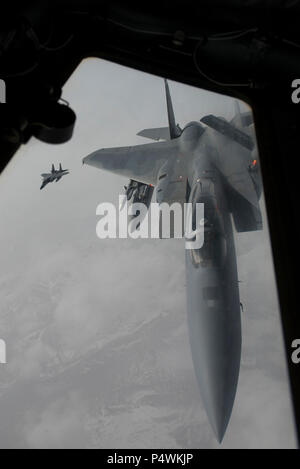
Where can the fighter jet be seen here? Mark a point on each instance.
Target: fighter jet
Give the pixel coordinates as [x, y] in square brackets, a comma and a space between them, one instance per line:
[213, 162]
[55, 175]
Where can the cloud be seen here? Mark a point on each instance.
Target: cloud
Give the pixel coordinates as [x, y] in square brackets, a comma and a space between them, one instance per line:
[59, 426]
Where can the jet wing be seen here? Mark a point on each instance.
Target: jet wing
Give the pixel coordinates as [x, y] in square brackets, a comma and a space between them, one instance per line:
[58, 178]
[233, 161]
[140, 163]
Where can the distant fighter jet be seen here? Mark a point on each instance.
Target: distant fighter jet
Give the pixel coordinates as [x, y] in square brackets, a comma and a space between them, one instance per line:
[214, 162]
[55, 175]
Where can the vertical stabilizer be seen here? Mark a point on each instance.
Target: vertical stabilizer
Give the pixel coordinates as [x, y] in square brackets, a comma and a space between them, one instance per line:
[175, 131]
[238, 114]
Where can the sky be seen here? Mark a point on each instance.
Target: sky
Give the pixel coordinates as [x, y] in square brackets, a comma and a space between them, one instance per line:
[96, 330]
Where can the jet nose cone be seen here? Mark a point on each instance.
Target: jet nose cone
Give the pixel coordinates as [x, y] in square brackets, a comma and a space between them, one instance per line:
[218, 379]
[219, 408]
[215, 338]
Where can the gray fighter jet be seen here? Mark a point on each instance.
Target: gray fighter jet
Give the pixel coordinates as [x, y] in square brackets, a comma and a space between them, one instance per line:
[55, 175]
[213, 161]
